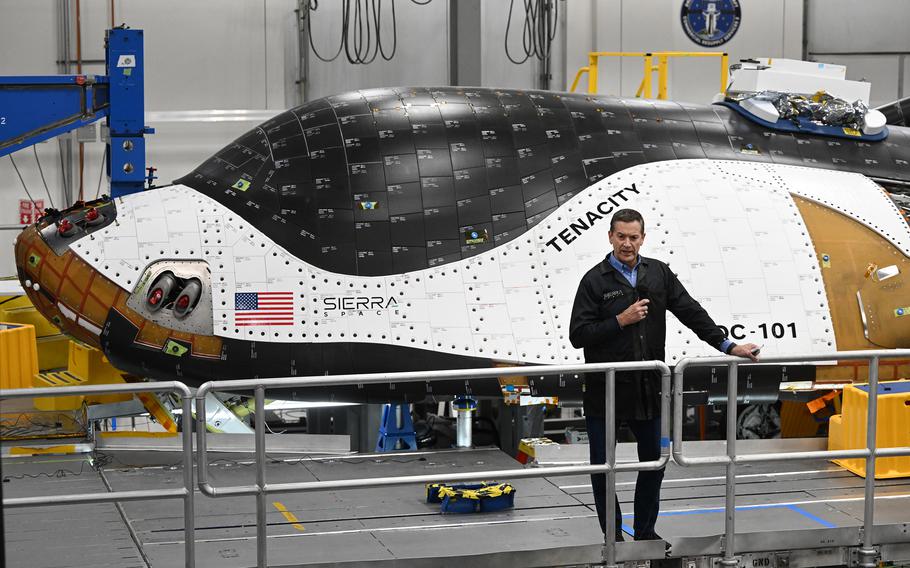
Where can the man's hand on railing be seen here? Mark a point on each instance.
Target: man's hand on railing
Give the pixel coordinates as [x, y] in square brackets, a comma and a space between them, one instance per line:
[747, 351]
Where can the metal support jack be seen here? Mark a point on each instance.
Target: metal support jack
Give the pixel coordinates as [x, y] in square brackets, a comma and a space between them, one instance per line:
[396, 427]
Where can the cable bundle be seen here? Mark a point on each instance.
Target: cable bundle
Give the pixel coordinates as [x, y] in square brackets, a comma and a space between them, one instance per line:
[361, 24]
[538, 31]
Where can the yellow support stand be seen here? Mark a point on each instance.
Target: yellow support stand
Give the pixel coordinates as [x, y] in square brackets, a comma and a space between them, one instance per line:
[52, 345]
[18, 355]
[847, 431]
[85, 365]
[662, 68]
[29, 343]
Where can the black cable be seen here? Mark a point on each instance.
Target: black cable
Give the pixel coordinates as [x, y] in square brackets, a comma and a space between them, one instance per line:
[538, 31]
[361, 31]
[62, 165]
[41, 171]
[506, 43]
[101, 173]
[394, 33]
[22, 181]
[312, 5]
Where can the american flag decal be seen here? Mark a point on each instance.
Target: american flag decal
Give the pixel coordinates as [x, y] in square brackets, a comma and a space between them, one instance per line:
[263, 308]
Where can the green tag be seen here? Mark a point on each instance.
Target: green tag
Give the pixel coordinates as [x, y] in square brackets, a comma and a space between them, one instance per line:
[242, 185]
[34, 260]
[175, 348]
[127, 72]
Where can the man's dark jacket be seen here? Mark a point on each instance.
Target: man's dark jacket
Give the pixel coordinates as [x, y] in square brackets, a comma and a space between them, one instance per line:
[604, 293]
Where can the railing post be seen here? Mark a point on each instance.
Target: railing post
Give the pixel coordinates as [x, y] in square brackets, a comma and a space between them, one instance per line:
[867, 552]
[581, 71]
[724, 70]
[646, 81]
[676, 432]
[261, 495]
[189, 520]
[201, 450]
[592, 73]
[662, 77]
[610, 429]
[730, 502]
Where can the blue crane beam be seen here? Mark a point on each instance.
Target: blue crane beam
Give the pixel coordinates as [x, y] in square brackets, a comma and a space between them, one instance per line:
[36, 108]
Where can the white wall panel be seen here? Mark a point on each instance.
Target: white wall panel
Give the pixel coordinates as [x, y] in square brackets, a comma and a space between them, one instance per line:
[28, 37]
[850, 26]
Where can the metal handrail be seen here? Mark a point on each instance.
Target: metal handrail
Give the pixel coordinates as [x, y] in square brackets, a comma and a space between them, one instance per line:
[649, 68]
[731, 459]
[261, 489]
[186, 492]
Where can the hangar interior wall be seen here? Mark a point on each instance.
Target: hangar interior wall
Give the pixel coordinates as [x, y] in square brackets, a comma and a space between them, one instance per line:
[243, 54]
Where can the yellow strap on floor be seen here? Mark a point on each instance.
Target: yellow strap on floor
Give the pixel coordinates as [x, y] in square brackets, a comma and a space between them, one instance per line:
[488, 491]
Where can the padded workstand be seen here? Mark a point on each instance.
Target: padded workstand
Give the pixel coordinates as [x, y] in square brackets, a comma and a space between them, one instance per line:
[782, 507]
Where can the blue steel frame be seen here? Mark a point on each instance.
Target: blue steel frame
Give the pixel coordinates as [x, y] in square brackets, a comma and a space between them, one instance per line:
[36, 108]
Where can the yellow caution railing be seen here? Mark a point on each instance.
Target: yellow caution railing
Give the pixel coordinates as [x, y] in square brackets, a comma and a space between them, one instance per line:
[662, 57]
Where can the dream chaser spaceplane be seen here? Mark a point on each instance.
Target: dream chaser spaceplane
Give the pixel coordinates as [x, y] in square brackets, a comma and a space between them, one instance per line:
[419, 228]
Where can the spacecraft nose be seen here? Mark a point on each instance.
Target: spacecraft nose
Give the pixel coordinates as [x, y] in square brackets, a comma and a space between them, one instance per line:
[61, 285]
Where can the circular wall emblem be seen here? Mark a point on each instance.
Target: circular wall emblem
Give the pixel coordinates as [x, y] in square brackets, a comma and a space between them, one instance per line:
[711, 23]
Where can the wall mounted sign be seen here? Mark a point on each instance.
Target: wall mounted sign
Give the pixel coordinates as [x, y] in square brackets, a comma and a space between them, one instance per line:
[711, 23]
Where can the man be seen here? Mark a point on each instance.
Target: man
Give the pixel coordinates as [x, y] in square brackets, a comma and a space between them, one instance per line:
[620, 315]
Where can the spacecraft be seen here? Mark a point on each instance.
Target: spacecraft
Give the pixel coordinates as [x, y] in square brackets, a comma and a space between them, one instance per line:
[428, 228]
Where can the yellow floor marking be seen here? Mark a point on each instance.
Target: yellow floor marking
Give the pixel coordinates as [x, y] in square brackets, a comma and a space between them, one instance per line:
[295, 522]
[25, 450]
[137, 434]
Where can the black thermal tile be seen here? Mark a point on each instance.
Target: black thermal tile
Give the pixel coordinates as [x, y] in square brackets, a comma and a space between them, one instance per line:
[466, 152]
[437, 191]
[502, 171]
[321, 137]
[434, 162]
[374, 262]
[407, 230]
[470, 183]
[543, 202]
[508, 222]
[439, 248]
[474, 210]
[400, 168]
[533, 159]
[440, 223]
[405, 198]
[372, 235]
[507, 199]
[336, 225]
[536, 184]
[367, 177]
[407, 259]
